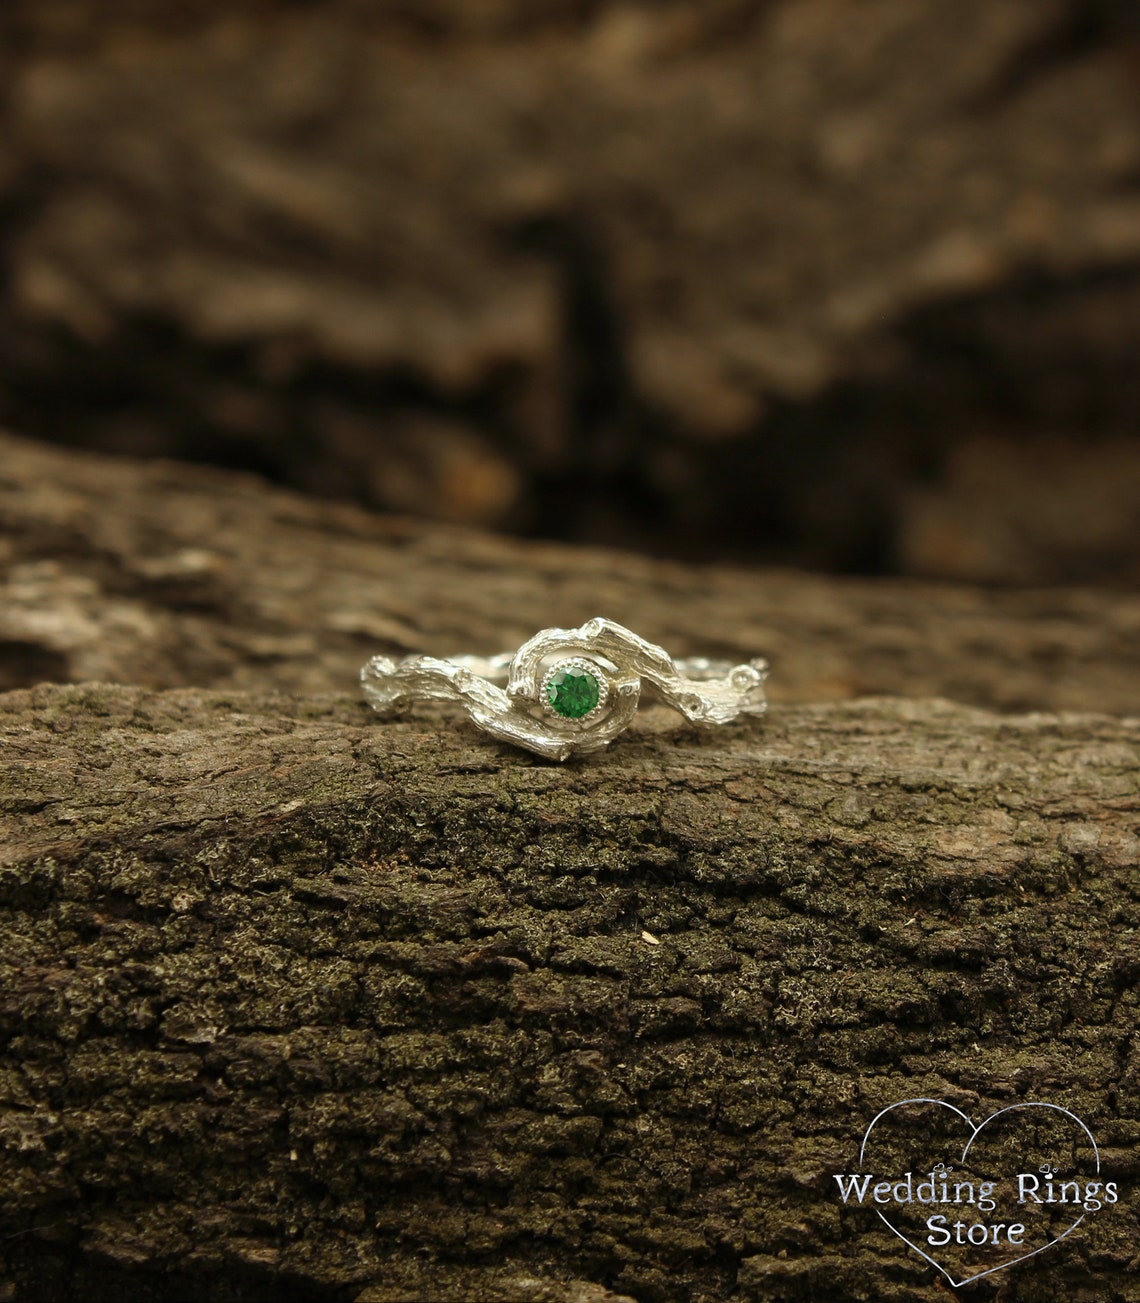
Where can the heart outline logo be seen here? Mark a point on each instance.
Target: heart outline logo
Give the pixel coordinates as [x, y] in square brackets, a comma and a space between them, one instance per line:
[974, 1133]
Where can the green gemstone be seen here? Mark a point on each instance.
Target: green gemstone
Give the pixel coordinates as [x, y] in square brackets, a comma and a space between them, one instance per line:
[572, 692]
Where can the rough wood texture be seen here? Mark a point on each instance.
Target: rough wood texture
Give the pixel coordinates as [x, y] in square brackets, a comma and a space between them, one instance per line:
[290, 994]
[166, 576]
[302, 1004]
[219, 179]
[457, 257]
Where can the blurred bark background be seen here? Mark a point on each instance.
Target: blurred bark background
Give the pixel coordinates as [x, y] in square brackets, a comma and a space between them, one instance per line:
[854, 286]
[304, 1006]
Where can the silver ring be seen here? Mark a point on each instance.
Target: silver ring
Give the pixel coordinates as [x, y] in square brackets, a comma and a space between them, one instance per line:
[566, 692]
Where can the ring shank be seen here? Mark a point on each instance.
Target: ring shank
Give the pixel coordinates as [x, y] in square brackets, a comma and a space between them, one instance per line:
[700, 669]
[504, 694]
[497, 669]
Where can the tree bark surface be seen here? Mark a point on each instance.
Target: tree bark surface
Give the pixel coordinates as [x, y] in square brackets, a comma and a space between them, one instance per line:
[299, 1003]
[787, 269]
[755, 191]
[165, 575]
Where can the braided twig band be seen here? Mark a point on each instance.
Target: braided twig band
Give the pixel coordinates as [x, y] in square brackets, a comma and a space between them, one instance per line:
[524, 711]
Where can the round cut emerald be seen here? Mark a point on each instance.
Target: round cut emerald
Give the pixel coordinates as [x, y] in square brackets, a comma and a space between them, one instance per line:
[572, 692]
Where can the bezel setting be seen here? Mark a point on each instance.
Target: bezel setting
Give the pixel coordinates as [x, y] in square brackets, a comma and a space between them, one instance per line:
[594, 670]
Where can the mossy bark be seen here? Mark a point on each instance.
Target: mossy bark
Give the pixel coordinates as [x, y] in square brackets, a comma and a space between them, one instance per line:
[298, 1003]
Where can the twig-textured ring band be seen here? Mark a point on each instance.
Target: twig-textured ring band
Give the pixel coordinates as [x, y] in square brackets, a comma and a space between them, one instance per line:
[568, 691]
